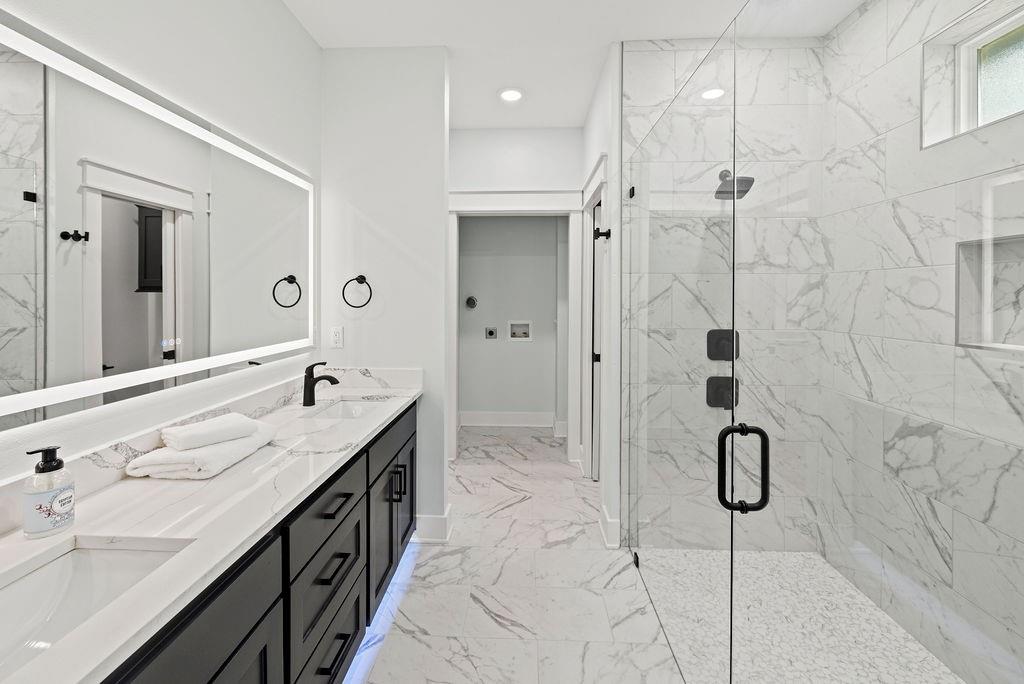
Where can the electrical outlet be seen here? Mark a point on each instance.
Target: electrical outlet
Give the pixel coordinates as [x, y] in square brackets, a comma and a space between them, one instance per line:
[337, 337]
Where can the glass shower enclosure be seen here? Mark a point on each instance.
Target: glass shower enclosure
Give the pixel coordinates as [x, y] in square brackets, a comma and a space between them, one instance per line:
[800, 452]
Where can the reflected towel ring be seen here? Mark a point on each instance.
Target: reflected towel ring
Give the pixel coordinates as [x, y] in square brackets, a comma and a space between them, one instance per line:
[361, 279]
[291, 280]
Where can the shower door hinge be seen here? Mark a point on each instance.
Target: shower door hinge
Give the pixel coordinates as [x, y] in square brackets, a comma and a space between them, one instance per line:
[598, 234]
[29, 196]
[632, 191]
[595, 357]
[636, 559]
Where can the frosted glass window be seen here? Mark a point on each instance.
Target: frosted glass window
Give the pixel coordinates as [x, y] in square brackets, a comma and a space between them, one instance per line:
[1001, 77]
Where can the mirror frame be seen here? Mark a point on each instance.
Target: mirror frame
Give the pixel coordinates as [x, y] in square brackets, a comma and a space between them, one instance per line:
[50, 52]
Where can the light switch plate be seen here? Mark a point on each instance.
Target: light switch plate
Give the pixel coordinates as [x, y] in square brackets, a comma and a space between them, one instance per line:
[337, 337]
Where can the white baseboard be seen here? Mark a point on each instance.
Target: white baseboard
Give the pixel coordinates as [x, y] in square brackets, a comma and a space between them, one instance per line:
[434, 529]
[506, 419]
[561, 428]
[578, 464]
[609, 529]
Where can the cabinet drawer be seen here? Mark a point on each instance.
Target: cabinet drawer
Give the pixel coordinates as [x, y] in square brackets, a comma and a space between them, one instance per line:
[318, 591]
[333, 655]
[315, 523]
[205, 634]
[391, 441]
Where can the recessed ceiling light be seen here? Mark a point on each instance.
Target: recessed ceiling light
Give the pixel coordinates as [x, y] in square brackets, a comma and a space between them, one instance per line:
[511, 95]
[712, 94]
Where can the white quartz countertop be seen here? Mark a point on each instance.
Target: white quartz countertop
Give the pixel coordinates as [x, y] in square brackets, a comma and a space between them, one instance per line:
[225, 516]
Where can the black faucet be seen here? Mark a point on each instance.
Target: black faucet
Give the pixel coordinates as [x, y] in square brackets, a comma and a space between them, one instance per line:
[309, 384]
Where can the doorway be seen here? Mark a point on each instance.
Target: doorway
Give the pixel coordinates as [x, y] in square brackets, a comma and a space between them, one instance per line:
[138, 310]
[512, 327]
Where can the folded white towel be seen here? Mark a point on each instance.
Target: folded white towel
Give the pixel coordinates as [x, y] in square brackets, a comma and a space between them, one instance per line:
[213, 431]
[201, 463]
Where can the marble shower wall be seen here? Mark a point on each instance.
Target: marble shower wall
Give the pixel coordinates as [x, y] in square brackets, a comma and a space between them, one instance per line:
[924, 439]
[21, 228]
[898, 455]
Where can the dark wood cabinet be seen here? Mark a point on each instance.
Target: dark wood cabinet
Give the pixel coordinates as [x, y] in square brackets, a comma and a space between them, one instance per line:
[381, 529]
[260, 658]
[295, 607]
[405, 507]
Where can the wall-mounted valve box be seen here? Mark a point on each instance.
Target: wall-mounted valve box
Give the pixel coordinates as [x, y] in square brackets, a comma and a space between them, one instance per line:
[520, 331]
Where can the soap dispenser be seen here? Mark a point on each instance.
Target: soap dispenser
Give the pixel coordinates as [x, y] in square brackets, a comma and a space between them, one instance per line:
[49, 496]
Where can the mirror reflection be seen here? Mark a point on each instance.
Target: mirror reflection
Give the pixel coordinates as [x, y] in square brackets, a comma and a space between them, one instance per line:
[128, 244]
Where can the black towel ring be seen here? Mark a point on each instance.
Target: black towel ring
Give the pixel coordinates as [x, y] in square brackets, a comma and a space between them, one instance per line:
[361, 279]
[291, 280]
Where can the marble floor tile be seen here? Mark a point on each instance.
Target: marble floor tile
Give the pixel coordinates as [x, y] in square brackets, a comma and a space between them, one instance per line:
[599, 663]
[428, 610]
[429, 659]
[591, 569]
[537, 613]
[447, 564]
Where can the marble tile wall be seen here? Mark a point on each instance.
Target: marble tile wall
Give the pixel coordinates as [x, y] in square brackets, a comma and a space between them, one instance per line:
[21, 229]
[899, 455]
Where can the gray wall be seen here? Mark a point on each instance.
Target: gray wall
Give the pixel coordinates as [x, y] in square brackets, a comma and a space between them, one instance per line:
[511, 265]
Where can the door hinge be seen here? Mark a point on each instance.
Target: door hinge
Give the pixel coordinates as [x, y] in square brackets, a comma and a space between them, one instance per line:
[598, 234]
[29, 196]
[636, 559]
[169, 355]
[723, 392]
[632, 191]
[595, 357]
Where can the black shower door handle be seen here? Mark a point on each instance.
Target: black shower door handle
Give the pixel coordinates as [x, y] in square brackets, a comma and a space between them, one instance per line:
[742, 429]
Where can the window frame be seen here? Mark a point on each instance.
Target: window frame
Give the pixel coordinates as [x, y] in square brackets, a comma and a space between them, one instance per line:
[967, 85]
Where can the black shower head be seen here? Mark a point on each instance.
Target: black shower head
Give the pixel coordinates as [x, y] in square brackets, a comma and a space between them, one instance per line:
[725, 188]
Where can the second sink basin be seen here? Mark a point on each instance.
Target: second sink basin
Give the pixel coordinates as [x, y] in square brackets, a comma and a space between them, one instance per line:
[351, 409]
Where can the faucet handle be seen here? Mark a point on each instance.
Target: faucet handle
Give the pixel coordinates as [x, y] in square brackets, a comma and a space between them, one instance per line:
[310, 369]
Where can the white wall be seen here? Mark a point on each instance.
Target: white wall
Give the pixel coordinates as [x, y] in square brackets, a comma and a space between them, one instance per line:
[385, 215]
[517, 159]
[510, 264]
[247, 66]
[599, 132]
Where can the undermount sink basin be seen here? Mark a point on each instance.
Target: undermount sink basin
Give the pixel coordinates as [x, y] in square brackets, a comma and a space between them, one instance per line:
[49, 595]
[351, 409]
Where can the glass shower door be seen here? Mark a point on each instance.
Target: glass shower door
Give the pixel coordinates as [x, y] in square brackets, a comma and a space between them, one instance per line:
[678, 266]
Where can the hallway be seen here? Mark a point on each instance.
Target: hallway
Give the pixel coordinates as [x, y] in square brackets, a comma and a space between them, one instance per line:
[525, 591]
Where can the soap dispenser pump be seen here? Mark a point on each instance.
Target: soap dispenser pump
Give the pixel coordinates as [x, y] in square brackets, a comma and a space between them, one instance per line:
[49, 496]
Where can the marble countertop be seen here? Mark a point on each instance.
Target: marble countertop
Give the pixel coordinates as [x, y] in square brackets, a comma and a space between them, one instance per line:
[225, 516]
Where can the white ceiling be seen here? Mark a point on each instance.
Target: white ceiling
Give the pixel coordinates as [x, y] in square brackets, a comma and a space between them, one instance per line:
[551, 49]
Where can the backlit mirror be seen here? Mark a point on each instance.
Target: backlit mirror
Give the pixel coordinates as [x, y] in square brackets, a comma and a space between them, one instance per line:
[136, 246]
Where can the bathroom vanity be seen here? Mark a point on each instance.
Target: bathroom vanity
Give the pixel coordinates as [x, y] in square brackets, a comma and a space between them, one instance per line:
[267, 572]
[299, 600]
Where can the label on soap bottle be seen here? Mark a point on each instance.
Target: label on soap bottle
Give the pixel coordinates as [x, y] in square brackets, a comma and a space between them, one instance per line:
[46, 511]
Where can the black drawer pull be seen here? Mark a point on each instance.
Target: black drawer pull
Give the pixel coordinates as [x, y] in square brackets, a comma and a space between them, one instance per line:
[328, 581]
[331, 669]
[331, 515]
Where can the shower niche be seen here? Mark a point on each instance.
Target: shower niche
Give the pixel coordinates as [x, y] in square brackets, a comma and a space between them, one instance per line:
[990, 293]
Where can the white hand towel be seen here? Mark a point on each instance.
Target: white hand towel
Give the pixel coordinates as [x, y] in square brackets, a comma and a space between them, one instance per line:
[201, 463]
[213, 431]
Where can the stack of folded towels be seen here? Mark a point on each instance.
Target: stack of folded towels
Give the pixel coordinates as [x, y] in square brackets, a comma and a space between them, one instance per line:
[201, 450]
